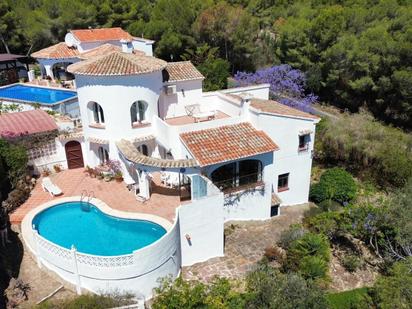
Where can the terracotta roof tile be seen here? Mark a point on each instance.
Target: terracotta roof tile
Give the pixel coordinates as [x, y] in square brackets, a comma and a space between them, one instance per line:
[102, 34]
[182, 70]
[273, 107]
[118, 63]
[28, 122]
[232, 142]
[104, 49]
[57, 51]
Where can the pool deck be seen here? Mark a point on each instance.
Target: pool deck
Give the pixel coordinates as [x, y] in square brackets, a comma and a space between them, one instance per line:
[162, 203]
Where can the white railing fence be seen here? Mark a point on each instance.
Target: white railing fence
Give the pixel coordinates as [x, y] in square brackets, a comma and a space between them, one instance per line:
[140, 262]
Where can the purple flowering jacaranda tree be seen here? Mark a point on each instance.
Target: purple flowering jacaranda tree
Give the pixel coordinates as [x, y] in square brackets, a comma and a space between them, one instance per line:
[287, 85]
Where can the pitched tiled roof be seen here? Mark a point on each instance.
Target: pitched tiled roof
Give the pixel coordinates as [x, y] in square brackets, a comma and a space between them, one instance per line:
[131, 153]
[182, 70]
[100, 51]
[105, 49]
[273, 107]
[57, 51]
[118, 63]
[232, 142]
[28, 122]
[102, 34]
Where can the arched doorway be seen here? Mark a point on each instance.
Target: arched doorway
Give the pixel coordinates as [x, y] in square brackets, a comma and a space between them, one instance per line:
[74, 154]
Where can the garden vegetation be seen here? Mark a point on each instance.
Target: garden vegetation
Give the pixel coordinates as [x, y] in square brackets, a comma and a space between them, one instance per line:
[365, 147]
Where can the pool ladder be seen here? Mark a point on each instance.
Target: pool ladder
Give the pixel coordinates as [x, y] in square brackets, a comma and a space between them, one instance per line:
[88, 196]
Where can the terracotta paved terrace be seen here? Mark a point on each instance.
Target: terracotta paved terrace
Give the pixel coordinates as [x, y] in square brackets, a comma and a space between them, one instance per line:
[162, 202]
[182, 120]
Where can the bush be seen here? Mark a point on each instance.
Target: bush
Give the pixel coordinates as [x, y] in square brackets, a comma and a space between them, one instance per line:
[366, 147]
[326, 223]
[194, 294]
[353, 299]
[267, 287]
[90, 301]
[295, 231]
[310, 256]
[335, 184]
[351, 262]
[395, 290]
[274, 253]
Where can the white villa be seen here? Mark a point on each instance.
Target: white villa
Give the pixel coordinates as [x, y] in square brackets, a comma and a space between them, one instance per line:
[231, 154]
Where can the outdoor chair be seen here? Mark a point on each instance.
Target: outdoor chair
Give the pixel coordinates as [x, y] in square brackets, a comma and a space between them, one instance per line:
[49, 186]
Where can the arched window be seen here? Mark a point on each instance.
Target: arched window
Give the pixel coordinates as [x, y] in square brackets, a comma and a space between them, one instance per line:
[237, 174]
[96, 112]
[224, 177]
[143, 149]
[138, 111]
[103, 155]
[250, 171]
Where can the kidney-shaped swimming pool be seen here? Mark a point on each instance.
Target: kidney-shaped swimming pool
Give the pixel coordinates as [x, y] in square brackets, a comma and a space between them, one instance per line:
[93, 232]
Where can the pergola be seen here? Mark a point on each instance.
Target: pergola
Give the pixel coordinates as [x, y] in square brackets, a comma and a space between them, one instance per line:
[9, 64]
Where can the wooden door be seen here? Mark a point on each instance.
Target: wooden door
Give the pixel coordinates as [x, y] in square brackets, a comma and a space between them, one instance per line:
[74, 155]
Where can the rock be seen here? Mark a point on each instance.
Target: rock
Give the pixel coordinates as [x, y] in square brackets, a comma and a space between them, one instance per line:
[16, 293]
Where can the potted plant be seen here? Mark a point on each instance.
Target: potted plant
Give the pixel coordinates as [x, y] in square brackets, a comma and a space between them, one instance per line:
[45, 172]
[118, 176]
[57, 168]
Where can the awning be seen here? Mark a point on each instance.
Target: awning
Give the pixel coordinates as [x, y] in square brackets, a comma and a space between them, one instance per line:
[130, 152]
[144, 139]
[276, 199]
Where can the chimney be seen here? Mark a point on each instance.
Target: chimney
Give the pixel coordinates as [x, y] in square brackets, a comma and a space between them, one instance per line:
[127, 46]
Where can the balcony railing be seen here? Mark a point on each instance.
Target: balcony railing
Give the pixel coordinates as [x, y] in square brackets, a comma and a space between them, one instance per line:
[240, 183]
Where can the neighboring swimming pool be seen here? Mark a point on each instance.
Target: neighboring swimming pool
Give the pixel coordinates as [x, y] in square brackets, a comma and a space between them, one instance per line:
[32, 94]
[93, 232]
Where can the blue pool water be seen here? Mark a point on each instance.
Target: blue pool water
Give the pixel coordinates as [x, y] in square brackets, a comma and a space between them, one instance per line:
[35, 94]
[91, 231]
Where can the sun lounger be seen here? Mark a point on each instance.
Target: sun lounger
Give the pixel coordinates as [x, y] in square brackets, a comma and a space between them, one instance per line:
[50, 187]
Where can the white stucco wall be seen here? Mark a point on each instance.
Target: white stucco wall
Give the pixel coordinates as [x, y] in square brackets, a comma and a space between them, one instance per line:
[202, 221]
[57, 156]
[187, 93]
[284, 131]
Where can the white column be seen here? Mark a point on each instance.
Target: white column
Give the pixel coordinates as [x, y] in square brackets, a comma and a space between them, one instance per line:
[36, 244]
[76, 270]
[144, 185]
[49, 71]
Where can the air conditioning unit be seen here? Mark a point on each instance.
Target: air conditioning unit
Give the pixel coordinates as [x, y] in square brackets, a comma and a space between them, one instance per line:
[170, 89]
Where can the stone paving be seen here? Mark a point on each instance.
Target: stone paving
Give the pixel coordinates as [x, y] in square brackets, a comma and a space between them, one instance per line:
[245, 243]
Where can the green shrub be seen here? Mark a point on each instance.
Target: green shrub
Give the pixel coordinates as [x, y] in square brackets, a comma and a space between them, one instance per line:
[313, 267]
[326, 223]
[309, 255]
[287, 237]
[395, 290]
[353, 299]
[335, 184]
[351, 262]
[194, 294]
[267, 287]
